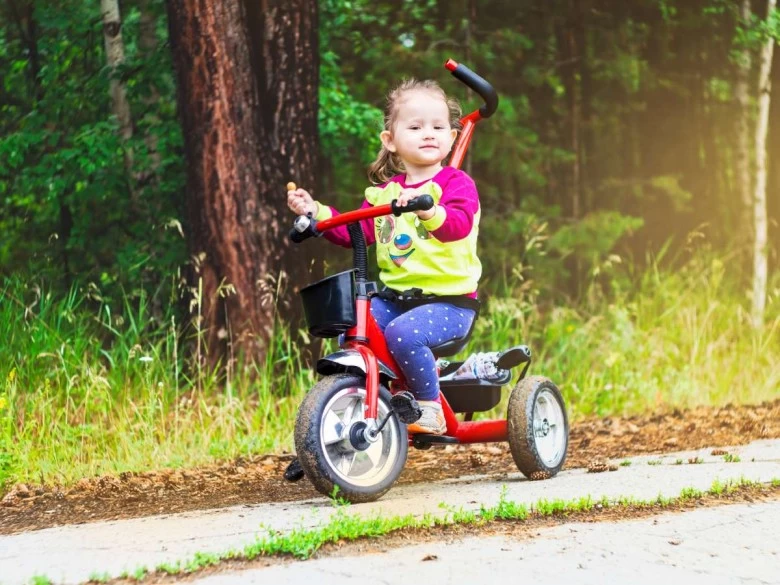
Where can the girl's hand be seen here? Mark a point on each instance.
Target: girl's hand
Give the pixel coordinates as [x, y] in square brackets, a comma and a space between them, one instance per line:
[301, 203]
[407, 195]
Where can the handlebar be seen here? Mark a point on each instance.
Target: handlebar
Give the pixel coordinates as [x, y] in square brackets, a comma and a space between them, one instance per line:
[478, 84]
[306, 226]
[421, 203]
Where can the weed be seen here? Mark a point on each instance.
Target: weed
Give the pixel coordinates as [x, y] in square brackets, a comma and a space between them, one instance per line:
[625, 463]
[655, 462]
[729, 458]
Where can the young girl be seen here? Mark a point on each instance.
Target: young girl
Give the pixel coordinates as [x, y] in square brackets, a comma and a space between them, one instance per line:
[433, 250]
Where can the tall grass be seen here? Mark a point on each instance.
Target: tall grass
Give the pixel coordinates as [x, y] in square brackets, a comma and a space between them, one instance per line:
[85, 390]
[674, 338]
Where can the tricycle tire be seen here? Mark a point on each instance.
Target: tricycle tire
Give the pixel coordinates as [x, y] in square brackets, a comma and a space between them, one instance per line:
[326, 454]
[538, 428]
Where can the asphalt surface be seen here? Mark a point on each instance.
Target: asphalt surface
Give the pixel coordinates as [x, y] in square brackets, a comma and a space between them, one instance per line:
[73, 554]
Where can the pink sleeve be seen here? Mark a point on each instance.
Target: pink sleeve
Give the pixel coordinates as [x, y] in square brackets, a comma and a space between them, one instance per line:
[460, 200]
[340, 235]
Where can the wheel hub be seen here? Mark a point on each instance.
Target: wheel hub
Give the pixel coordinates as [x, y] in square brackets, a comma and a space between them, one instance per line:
[357, 436]
[348, 447]
[542, 427]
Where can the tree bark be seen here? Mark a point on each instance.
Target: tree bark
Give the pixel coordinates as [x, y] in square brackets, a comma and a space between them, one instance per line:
[248, 105]
[115, 57]
[742, 93]
[760, 223]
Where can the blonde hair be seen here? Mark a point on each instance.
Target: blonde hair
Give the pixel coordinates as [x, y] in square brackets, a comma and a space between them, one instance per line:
[389, 164]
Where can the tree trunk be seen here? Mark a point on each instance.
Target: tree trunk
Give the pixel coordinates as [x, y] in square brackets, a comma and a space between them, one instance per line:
[759, 198]
[115, 57]
[147, 43]
[248, 104]
[586, 149]
[742, 92]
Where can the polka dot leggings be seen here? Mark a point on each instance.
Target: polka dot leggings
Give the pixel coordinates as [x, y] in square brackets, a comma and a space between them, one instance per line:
[411, 334]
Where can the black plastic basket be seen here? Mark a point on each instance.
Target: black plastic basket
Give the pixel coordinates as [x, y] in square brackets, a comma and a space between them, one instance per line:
[329, 304]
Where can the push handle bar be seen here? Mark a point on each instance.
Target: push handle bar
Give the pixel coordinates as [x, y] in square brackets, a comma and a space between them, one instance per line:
[478, 84]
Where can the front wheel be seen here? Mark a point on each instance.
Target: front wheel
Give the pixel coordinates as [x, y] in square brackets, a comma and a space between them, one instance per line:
[327, 415]
[538, 427]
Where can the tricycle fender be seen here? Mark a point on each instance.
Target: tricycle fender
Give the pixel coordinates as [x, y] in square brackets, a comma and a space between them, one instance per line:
[351, 362]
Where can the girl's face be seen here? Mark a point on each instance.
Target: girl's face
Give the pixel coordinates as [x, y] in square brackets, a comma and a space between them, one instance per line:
[421, 134]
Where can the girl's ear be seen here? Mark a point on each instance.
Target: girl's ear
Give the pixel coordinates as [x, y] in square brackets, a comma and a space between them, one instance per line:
[453, 134]
[387, 140]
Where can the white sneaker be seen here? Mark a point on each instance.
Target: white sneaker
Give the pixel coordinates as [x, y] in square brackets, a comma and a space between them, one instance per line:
[432, 419]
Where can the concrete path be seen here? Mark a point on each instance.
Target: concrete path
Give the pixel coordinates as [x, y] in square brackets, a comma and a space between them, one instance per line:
[72, 554]
[737, 544]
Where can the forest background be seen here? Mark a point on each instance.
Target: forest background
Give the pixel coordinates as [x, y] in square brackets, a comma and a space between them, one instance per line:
[148, 313]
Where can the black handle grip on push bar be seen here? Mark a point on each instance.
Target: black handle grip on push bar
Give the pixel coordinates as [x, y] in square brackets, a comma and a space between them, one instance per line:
[421, 203]
[478, 84]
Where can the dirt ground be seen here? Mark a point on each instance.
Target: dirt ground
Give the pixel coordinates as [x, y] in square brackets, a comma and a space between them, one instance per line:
[259, 479]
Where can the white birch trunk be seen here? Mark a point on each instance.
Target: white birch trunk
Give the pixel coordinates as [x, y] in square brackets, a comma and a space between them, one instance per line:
[115, 56]
[759, 198]
[742, 93]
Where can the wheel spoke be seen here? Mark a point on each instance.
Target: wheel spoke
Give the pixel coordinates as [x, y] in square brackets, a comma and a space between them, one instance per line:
[374, 452]
[351, 410]
[332, 428]
[349, 460]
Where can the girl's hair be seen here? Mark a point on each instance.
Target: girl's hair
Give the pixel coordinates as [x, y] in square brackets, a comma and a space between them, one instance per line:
[389, 164]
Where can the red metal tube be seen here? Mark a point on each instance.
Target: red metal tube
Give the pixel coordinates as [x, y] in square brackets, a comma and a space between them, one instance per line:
[372, 377]
[353, 216]
[464, 138]
[482, 431]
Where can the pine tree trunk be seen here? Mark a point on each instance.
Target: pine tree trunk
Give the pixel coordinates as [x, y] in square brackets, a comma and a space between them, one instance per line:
[115, 57]
[760, 226]
[742, 92]
[248, 104]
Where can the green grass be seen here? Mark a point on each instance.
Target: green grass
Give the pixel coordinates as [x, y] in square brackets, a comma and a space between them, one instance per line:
[303, 543]
[89, 387]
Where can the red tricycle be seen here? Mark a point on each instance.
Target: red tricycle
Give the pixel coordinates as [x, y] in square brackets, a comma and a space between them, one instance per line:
[351, 432]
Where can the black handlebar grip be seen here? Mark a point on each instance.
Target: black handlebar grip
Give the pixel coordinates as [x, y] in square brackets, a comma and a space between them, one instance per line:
[297, 237]
[478, 84]
[421, 203]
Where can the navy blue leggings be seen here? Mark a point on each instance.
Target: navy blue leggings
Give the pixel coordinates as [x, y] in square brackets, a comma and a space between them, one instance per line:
[410, 335]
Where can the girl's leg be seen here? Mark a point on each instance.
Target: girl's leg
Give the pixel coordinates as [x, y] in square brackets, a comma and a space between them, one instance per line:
[384, 311]
[410, 336]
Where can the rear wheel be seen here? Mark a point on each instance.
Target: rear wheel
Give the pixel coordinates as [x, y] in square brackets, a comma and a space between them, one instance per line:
[538, 427]
[327, 419]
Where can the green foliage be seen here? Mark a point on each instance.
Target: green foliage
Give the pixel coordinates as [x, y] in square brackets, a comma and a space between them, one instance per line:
[69, 210]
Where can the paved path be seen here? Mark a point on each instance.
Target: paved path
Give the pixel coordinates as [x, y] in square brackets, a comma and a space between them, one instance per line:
[72, 554]
[729, 545]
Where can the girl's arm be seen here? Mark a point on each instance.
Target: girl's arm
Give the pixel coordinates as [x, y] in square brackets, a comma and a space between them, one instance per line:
[454, 217]
[340, 235]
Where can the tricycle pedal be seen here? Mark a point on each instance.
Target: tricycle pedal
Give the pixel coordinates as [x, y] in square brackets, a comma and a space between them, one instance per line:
[406, 407]
[425, 441]
[514, 356]
[294, 471]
